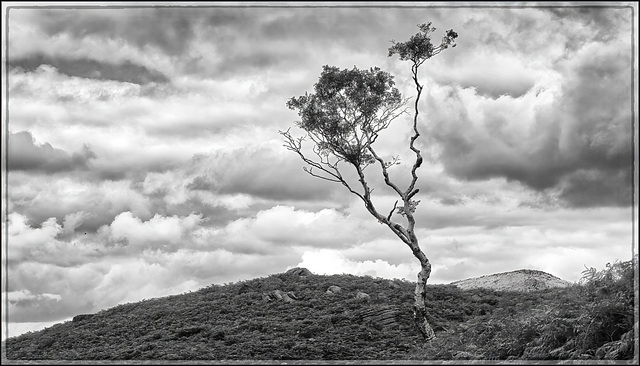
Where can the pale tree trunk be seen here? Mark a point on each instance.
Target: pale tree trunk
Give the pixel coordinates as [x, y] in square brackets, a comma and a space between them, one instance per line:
[420, 308]
[420, 295]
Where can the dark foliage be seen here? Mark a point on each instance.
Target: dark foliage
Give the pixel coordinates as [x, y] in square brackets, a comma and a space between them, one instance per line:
[591, 320]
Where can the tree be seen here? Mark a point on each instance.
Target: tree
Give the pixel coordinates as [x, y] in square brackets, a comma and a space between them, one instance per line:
[343, 119]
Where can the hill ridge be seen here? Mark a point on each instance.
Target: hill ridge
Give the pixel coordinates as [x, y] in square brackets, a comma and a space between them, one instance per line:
[522, 280]
[347, 317]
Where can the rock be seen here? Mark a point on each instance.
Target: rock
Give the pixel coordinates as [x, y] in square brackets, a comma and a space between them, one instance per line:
[362, 295]
[298, 271]
[523, 280]
[462, 355]
[333, 290]
[81, 317]
[189, 331]
[382, 317]
[280, 295]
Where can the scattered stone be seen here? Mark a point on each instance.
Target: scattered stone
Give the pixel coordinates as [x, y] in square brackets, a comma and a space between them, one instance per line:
[299, 271]
[362, 295]
[81, 317]
[333, 290]
[189, 331]
[279, 295]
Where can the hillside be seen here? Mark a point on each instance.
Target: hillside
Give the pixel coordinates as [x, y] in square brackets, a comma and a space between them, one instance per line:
[524, 280]
[300, 315]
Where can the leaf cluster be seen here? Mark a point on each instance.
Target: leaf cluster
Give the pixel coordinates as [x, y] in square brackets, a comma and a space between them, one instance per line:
[419, 47]
[347, 110]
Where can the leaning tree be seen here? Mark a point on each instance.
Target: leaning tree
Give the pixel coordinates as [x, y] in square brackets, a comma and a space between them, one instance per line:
[343, 119]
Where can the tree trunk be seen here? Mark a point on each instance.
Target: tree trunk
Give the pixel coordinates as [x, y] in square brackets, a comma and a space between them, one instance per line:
[419, 308]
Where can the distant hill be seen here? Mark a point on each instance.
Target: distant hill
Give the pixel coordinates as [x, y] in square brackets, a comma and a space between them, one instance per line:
[299, 315]
[524, 280]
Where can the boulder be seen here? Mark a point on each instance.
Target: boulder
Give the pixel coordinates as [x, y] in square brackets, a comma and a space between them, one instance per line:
[278, 294]
[189, 331]
[298, 271]
[333, 290]
[362, 295]
[382, 317]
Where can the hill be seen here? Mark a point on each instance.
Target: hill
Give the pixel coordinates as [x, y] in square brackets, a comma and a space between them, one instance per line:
[303, 316]
[524, 280]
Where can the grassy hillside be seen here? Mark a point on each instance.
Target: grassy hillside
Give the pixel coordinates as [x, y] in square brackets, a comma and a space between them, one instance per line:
[288, 316]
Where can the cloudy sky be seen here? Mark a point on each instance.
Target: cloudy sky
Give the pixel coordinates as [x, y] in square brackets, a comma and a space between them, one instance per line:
[144, 158]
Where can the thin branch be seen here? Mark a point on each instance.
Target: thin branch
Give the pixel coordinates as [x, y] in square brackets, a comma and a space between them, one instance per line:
[385, 173]
[393, 209]
[310, 172]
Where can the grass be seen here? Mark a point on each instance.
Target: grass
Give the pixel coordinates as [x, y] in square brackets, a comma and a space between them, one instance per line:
[236, 322]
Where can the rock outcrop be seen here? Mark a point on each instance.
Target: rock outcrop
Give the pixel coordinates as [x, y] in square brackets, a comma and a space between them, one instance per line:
[382, 317]
[299, 271]
[524, 280]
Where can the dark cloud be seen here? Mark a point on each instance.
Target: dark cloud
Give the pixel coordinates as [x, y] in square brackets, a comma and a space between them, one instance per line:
[605, 21]
[92, 69]
[171, 30]
[25, 154]
[587, 128]
[263, 173]
[589, 188]
[254, 39]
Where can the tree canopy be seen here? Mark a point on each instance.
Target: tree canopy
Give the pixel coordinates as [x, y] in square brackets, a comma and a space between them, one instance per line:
[347, 110]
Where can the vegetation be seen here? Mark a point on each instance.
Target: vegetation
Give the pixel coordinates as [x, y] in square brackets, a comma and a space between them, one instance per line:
[246, 321]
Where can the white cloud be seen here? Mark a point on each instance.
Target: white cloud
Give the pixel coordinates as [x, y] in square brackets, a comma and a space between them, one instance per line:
[26, 295]
[158, 231]
[284, 226]
[331, 261]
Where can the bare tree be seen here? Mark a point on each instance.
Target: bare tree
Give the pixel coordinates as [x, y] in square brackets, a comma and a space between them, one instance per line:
[343, 119]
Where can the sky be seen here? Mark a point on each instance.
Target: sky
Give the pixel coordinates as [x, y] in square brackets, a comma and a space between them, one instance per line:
[142, 156]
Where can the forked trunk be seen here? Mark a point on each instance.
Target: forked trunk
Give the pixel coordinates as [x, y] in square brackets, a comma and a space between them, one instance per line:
[419, 308]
